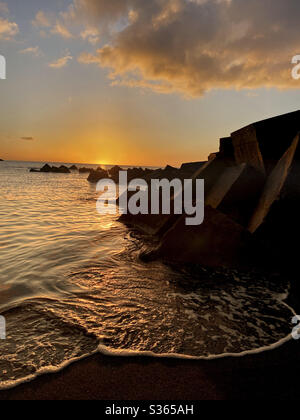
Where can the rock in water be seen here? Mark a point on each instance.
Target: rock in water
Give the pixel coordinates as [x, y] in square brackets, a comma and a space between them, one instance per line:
[158, 224]
[97, 175]
[85, 170]
[217, 242]
[46, 168]
[73, 168]
[52, 169]
[228, 193]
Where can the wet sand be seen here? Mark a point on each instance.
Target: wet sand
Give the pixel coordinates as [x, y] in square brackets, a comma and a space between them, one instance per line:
[270, 375]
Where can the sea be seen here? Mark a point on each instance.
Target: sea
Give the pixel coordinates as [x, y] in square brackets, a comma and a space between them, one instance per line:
[72, 285]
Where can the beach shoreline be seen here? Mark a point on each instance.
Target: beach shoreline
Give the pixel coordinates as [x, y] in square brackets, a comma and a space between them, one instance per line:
[268, 375]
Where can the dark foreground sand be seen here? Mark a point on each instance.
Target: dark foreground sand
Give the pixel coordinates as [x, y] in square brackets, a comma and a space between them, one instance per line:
[269, 375]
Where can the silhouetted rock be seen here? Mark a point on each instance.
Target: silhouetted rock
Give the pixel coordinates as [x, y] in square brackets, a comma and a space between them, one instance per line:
[274, 185]
[226, 148]
[159, 224]
[1, 160]
[132, 173]
[97, 175]
[52, 169]
[252, 201]
[192, 167]
[73, 168]
[228, 193]
[137, 173]
[263, 143]
[46, 168]
[85, 170]
[217, 242]
[114, 173]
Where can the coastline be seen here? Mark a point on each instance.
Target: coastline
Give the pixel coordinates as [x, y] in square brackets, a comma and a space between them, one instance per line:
[267, 375]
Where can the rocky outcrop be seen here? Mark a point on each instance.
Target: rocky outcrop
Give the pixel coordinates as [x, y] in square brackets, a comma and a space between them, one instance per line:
[113, 174]
[85, 170]
[263, 143]
[273, 187]
[252, 201]
[216, 242]
[73, 168]
[97, 175]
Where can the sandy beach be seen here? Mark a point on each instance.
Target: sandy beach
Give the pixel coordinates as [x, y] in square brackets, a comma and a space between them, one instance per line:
[268, 375]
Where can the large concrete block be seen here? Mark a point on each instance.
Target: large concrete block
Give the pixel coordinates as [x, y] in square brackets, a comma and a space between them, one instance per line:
[217, 242]
[236, 192]
[222, 186]
[191, 167]
[274, 186]
[158, 224]
[226, 148]
[262, 144]
[246, 148]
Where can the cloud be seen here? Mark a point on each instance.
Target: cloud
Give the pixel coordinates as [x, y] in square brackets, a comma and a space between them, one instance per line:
[31, 50]
[191, 46]
[48, 22]
[27, 138]
[61, 62]
[8, 29]
[42, 20]
[3, 8]
[90, 34]
[60, 29]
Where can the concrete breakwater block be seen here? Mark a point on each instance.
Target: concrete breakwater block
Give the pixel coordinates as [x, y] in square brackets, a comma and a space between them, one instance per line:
[274, 185]
[236, 192]
[160, 223]
[217, 242]
[223, 185]
[226, 149]
[262, 144]
[246, 148]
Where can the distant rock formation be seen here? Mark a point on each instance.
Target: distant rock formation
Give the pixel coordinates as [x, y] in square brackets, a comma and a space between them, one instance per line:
[85, 170]
[252, 202]
[52, 169]
[73, 168]
[97, 175]
[1, 160]
[113, 174]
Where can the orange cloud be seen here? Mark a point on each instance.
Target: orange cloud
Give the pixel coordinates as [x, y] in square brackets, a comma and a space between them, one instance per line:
[8, 29]
[61, 62]
[42, 20]
[192, 46]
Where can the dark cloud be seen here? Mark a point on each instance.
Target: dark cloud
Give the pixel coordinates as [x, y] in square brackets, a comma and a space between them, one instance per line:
[27, 138]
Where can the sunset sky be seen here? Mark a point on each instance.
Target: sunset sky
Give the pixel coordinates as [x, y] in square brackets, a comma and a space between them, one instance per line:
[141, 82]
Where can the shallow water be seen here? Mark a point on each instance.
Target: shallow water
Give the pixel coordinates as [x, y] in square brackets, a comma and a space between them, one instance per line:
[71, 283]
